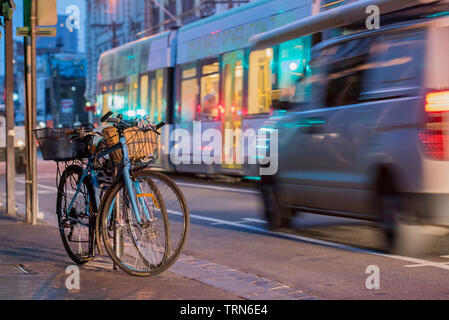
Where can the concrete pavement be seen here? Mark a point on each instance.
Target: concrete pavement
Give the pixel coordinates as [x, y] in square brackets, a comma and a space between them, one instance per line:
[33, 265]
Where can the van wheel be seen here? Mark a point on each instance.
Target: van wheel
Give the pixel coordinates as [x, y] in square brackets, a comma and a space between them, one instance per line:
[389, 204]
[277, 217]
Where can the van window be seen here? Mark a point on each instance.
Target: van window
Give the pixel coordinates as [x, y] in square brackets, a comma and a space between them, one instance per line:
[397, 61]
[311, 85]
[345, 81]
[347, 65]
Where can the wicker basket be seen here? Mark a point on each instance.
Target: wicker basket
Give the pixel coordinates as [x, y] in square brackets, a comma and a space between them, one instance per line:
[140, 144]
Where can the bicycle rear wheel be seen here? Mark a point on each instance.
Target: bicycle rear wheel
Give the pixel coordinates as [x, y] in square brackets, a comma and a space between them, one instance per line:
[76, 225]
[142, 247]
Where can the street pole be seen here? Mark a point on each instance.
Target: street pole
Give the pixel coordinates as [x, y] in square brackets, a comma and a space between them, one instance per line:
[9, 115]
[30, 118]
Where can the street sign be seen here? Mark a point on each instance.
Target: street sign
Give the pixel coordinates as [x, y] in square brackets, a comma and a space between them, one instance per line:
[41, 31]
[47, 15]
[66, 106]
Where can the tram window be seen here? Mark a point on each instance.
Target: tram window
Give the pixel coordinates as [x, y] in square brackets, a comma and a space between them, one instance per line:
[144, 93]
[210, 80]
[233, 82]
[158, 102]
[189, 93]
[118, 100]
[132, 93]
[260, 81]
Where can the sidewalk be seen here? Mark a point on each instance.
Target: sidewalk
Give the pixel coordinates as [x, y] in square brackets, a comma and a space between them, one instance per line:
[33, 263]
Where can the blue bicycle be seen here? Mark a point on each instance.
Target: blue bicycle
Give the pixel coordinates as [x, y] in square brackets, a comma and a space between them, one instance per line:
[131, 217]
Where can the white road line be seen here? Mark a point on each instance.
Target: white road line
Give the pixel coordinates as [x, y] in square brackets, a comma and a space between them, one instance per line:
[194, 185]
[416, 261]
[40, 185]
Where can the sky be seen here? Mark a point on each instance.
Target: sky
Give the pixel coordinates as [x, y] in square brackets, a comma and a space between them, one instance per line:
[62, 6]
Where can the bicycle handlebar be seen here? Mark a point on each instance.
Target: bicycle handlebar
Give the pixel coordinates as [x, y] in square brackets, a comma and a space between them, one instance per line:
[130, 123]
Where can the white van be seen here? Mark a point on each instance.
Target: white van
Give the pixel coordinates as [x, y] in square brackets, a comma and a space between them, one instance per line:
[367, 132]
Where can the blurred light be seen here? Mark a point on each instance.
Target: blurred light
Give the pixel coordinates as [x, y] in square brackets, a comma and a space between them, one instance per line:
[20, 143]
[437, 101]
[131, 113]
[15, 96]
[141, 112]
[251, 178]
[269, 52]
[293, 66]
[41, 124]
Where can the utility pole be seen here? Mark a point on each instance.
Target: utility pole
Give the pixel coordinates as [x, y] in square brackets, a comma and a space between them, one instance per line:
[113, 26]
[29, 7]
[9, 109]
[30, 31]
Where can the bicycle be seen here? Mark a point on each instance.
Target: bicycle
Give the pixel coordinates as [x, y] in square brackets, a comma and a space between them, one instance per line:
[82, 180]
[126, 196]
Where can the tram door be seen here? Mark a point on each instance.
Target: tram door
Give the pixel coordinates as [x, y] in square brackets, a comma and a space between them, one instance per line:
[232, 105]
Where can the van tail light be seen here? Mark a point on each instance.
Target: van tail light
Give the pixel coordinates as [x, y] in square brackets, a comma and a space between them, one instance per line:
[434, 134]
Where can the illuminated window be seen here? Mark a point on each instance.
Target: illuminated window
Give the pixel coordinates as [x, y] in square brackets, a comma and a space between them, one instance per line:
[233, 82]
[132, 93]
[189, 93]
[294, 57]
[144, 94]
[158, 100]
[260, 81]
[118, 99]
[210, 80]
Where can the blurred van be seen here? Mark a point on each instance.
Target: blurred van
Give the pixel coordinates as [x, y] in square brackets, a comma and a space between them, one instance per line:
[367, 134]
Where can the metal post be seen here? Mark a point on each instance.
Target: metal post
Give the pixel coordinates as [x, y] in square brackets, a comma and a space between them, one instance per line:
[118, 239]
[9, 115]
[30, 119]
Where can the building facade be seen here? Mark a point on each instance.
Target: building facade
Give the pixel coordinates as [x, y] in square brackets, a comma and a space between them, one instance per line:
[113, 23]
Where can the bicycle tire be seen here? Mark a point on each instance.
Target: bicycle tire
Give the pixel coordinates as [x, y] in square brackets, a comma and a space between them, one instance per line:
[77, 171]
[104, 227]
[155, 175]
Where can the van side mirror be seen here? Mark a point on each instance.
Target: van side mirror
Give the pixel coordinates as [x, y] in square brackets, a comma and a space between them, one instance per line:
[281, 104]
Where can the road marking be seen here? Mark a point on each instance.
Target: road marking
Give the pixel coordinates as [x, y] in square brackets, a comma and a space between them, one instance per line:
[317, 241]
[239, 224]
[194, 185]
[40, 185]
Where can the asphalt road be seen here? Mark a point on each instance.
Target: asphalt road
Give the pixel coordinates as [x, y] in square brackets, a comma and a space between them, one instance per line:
[319, 257]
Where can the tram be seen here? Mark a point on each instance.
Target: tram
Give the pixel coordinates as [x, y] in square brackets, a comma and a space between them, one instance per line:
[206, 73]
[209, 75]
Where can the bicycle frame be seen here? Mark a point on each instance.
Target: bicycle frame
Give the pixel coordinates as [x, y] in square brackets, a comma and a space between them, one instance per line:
[125, 172]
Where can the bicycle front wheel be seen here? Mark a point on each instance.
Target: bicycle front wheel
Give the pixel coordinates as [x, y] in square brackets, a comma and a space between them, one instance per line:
[137, 242]
[177, 209]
